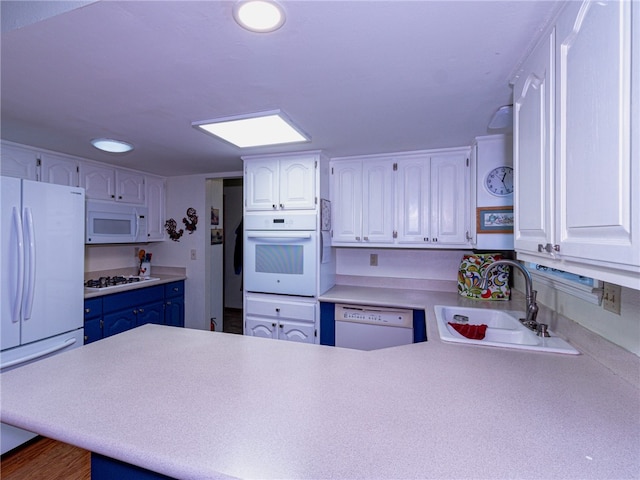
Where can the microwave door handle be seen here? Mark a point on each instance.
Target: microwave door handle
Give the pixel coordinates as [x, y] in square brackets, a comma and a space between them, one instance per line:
[280, 236]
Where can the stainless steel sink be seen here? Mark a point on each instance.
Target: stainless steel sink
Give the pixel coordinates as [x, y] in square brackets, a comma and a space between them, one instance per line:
[504, 329]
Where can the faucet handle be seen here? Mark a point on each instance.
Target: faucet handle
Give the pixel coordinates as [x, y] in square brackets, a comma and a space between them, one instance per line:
[542, 330]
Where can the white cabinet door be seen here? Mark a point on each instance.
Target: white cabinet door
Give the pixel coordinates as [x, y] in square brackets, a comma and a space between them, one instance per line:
[449, 199]
[594, 166]
[413, 212]
[260, 327]
[129, 187]
[155, 196]
[59, 170]
[377, 201]
[297, 186]
[262, 185]
[533, 149]
[287, 183]
[17, 161]
[293, 331]
[98, 181]
[346, 201]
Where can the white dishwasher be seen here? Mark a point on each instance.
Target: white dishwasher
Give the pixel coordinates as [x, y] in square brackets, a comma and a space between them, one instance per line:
[370, 328]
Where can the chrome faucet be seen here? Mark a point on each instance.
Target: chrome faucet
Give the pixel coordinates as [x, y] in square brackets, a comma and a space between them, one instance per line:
[532, 306]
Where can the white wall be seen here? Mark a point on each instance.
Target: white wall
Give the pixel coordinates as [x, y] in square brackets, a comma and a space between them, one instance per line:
[182, 193]
[417, 264]
[623, 329]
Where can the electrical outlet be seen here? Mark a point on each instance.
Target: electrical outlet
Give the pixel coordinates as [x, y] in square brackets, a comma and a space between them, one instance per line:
[193, 254]
[373, 260]
[611, 298]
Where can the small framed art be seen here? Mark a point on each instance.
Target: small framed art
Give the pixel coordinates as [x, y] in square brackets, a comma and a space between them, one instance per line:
[494, 219]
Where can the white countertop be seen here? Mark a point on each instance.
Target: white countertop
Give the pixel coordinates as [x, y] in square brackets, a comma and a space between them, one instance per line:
[197, 404]
[161, 280]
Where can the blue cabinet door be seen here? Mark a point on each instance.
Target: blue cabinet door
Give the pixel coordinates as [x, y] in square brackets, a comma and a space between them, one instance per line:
[118, 322]
[150, 313]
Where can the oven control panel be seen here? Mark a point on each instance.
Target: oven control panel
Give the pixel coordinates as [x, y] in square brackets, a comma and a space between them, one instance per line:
[374, 315]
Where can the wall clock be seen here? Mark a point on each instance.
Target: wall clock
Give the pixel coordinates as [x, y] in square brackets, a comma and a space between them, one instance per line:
[499, 181]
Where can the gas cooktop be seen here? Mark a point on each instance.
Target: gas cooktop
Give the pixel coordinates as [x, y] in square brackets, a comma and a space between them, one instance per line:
[104, 283]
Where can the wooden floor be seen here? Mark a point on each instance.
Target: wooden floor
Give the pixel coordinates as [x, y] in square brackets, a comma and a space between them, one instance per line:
[46, 459]
[232, 320]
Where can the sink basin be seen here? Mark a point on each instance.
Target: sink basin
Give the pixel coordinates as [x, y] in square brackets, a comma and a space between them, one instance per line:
[503, 330]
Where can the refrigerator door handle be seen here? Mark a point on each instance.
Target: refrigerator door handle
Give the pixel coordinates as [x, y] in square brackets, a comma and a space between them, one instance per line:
[31, 260]
[17, 302]
[33, 356]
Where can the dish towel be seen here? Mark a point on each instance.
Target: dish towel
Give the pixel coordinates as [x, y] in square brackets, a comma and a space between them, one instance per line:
[474, 332]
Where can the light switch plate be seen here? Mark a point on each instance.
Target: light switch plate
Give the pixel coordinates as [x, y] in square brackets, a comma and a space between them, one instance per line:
[611, 298]
[373, 260]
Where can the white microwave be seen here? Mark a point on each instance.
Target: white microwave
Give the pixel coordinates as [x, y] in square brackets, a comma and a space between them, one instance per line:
[110, 222]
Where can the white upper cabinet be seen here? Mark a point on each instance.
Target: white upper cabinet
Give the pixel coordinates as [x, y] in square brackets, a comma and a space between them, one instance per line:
[107, 183]
[155, 196]
[413, 211]
[450, 199]
[282, 182]
[577, 144]
[59, 169]
[533, 149]
[17, 161]
[403, 200]
[362, 201]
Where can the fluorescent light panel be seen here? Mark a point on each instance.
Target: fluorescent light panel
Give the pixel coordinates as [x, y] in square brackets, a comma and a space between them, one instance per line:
[255, 130]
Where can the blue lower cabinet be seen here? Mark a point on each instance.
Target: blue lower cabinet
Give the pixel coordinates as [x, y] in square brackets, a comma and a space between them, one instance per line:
[119, 312]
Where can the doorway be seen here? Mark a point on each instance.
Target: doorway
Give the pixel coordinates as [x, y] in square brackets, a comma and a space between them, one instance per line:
[233, 272]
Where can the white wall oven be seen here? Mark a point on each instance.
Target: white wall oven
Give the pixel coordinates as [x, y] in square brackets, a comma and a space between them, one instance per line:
[281, 253]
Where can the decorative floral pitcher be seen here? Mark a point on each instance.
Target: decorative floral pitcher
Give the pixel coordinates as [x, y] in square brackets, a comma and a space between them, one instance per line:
[470, 279]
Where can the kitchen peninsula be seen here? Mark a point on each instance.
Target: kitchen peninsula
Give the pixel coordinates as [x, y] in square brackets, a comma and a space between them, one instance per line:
[289, 410]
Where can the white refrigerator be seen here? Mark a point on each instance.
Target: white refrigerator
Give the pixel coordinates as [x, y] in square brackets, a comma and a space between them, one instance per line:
[42, 265]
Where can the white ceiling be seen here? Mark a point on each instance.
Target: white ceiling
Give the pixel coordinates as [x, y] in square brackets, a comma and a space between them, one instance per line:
[358, 76]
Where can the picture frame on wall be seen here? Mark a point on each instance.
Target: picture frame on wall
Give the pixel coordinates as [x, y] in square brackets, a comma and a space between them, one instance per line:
[494, 219]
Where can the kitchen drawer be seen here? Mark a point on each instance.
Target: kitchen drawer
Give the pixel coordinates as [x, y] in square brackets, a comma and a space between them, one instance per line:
[92, 308]
[132, 298]
[174, 289]
[276, 306]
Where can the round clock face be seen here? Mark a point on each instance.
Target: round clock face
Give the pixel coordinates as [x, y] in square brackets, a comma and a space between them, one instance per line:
[499, 181]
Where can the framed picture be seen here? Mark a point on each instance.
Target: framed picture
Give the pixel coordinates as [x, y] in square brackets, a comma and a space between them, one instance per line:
[216, 236]
[215, 216]
[494, 220]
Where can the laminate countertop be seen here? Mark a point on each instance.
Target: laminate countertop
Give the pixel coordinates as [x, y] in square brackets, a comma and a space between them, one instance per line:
[203, 405]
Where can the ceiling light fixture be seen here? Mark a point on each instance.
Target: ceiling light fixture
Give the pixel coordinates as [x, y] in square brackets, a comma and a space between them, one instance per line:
[502, 118]
[255, 129]
[111, 146]
[262, 16]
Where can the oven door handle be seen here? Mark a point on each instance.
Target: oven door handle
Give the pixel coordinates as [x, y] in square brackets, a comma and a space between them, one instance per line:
[280, 236]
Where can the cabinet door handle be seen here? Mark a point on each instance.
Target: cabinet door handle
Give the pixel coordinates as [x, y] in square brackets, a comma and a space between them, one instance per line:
[274, 206]
[282, 206]
[87, 310]
[141, 310]
[273, 325]
[168, 302]
[280, 325]
[135, 312]
[277, 310]
[366, 239]
[357, 239]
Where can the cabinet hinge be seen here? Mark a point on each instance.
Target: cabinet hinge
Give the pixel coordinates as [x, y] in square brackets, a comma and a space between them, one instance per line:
[315, 332]
[78, 169]
[331, 170]
[316, 200]
[38, 162]
[315, 164]
[467, 162]
[395, 167]
[395, 234]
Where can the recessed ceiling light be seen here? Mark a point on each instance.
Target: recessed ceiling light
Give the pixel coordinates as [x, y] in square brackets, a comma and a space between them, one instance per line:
[255, 129]
[261, 16]
[111, 146]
